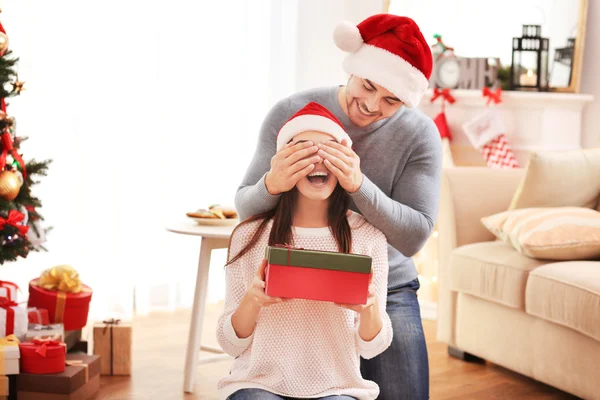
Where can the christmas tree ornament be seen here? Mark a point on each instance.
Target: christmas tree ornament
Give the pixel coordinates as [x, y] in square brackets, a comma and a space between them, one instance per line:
[3, 42]
[19, 176]
[9, 185]
[8, 148]
[18, 86]
[486, 133]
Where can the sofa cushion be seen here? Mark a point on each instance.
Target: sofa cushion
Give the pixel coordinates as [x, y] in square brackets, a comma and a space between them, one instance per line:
[494, 271]
[560, 178]
[551, 233]
[567, 293]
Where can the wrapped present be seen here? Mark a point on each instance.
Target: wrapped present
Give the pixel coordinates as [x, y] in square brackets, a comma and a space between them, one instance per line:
[42, 357]
[72, 338]
[54, 332]
[317, 275]
[38, 316]
[4, 384]
[8, 290]
[13, 319]
[9, 355]
[79, 381]
[112, 342]
[60, 291]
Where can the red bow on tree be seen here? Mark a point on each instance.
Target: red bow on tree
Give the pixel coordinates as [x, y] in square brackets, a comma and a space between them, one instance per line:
[44, 345]
[7, 147]
[444, 94]
[14, 217]
[492, 96]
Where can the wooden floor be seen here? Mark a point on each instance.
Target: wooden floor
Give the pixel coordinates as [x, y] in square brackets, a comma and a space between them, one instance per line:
[159, 352]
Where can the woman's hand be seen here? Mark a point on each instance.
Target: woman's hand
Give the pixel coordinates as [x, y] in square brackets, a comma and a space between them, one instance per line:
[292, 163]
[255, 294]
[343, 162]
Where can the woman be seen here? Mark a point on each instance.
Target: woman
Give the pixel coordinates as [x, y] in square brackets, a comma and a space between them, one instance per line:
[294, 348]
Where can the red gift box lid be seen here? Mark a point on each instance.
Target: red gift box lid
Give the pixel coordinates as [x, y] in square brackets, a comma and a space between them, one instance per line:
[73, 300]
[30, 349]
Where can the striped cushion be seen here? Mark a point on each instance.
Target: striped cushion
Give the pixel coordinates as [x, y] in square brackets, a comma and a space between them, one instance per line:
[551, 233]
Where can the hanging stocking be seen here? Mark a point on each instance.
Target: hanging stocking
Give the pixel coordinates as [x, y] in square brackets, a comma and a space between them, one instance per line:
[486, 133]
[442, 125]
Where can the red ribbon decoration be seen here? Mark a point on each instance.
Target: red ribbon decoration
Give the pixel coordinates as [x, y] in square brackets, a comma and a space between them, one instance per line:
[14, 217]
[10, 315]
[492, 96]
[289, 250]
[44, 346]
[7, 283]
[445, 94]
[7, 146]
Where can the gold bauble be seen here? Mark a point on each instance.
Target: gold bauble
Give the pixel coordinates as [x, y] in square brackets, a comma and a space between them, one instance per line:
[3, 42]
[9, 185]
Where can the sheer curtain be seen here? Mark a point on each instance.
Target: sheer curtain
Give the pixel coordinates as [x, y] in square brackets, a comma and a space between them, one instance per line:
[149, 109]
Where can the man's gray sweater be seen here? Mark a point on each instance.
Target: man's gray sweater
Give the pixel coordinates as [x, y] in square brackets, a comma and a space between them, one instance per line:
[400, 158]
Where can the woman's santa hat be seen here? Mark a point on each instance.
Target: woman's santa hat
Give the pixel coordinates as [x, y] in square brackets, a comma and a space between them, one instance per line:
[313, 117]
[389, 50]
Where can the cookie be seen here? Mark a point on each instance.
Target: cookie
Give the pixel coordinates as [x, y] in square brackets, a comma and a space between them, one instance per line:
[201, 214]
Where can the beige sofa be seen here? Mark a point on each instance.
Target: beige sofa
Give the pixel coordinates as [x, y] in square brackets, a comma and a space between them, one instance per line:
[538, 318]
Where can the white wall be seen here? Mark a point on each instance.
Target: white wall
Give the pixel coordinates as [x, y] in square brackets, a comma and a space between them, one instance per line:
[319, 61]
[590, 82]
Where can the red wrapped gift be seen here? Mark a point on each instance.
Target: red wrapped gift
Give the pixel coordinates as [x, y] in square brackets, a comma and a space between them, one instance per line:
[38, 316]
[42, 357]
[60, 291]
[8, 290]
[317, 275]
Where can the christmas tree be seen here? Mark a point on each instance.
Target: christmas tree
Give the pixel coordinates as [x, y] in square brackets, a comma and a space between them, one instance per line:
[20, 227]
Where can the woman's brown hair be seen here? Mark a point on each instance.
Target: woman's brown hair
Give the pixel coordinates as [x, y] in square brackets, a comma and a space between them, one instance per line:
[281, 232]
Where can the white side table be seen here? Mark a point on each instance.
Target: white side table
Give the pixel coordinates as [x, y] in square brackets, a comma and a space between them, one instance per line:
[212, 237]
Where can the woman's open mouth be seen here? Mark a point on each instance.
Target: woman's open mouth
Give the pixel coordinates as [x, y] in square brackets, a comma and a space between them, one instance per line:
[318, 179]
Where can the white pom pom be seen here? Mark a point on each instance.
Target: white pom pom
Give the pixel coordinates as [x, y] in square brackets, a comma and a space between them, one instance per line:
[347, 37]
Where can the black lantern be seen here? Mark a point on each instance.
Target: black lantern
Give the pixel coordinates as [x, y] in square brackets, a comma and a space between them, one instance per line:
[529, 69]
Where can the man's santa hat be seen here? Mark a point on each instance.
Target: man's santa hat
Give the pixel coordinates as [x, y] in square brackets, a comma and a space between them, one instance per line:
[313, 117]
[389, 50]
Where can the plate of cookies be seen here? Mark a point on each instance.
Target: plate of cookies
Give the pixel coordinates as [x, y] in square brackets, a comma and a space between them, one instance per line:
[215, 215]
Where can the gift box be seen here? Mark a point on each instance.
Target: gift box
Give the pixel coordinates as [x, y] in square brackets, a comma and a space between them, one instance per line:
[38, 316]
[8, 290]
[45, 332]
[317, 275]
[112, 342]
[4, 387]
[60, 291]
[72, 338]
[9, 355]
[13, 319]
[79, 381]
[42, 357]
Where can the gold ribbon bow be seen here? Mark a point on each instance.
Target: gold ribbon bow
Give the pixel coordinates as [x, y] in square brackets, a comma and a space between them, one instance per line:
[80, 363]
[63, 278]
[8, 341]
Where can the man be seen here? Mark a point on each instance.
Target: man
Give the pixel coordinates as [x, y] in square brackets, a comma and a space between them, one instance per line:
[392, 172]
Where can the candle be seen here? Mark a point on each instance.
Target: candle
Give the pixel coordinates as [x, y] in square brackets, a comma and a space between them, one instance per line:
[528, 79]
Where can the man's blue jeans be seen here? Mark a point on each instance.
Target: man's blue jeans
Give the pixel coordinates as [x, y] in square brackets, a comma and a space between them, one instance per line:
[259, 394]
[402, 371]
